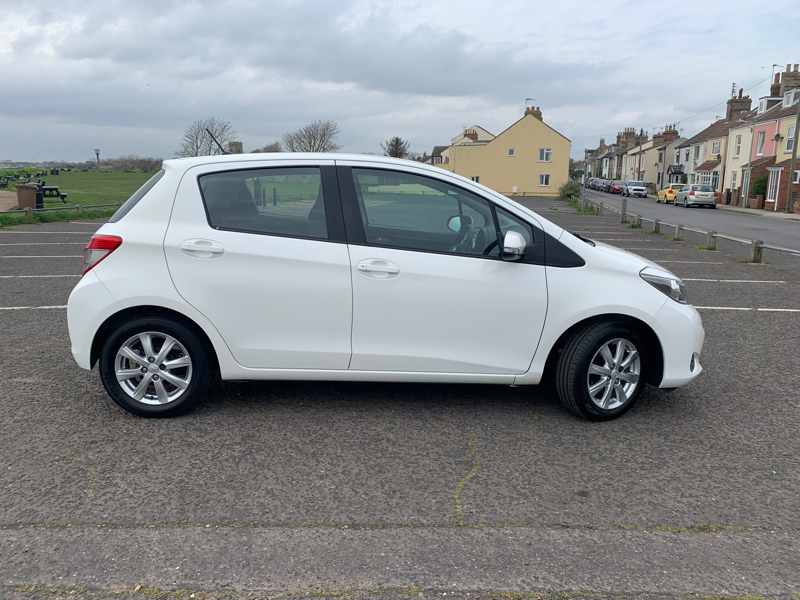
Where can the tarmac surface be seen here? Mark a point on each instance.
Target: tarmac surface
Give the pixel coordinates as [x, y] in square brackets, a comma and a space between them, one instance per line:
[346, 490]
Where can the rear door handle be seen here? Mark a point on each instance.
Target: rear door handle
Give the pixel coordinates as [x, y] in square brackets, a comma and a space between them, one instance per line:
[378, 268]
[200, 248]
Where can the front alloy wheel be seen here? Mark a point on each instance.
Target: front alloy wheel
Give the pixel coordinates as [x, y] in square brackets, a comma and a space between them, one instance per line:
[601, 370]
[613, 374]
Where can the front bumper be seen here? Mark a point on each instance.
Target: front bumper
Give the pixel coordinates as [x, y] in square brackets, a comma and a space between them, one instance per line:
[680, 330]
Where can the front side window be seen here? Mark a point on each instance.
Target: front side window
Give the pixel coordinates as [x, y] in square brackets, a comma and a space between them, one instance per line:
[545, 154]
[273, 201]
[411, 212]
[544, 179]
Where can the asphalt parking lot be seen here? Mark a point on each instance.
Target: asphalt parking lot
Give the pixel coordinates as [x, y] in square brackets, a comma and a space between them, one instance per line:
[372, 490]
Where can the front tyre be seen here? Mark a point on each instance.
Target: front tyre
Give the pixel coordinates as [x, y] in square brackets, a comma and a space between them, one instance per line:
[155, 367]
[599, 374]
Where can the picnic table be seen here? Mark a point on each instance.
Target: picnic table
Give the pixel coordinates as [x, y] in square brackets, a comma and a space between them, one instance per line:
[52, 191]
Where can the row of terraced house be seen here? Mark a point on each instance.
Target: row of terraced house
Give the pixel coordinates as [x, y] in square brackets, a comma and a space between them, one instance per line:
[746, 156]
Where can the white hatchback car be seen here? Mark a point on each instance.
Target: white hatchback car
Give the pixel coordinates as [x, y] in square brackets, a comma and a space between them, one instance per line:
[340, 267]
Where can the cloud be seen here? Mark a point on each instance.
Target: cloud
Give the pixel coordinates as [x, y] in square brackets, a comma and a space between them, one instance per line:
[127, 77]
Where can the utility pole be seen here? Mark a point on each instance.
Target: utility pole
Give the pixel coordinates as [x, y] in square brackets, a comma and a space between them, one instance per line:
[792, 165]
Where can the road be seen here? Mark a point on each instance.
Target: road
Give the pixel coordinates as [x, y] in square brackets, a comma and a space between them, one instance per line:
[771, 230]
[345, 490]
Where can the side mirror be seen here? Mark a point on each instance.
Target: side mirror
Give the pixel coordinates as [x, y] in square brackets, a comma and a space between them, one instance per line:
[513, 245]
[454, 224]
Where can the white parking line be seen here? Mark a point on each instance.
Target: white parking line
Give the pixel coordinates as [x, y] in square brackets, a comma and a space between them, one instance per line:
[735, 280]
[653, 249]
[48, 256]
[748, 309]
[43, 244]
[34, 276]
[55, 307]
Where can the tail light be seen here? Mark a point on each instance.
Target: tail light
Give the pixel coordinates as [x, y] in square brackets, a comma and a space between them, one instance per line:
[98, 248]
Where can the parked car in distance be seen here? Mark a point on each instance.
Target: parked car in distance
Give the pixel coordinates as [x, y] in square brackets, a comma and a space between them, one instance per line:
[696, 194]
[343, 267]
[634, 188]
[669, 193]
[615, 187]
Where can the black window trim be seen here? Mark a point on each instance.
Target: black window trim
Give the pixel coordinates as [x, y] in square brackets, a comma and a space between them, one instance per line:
[534, 254]
[331, 198]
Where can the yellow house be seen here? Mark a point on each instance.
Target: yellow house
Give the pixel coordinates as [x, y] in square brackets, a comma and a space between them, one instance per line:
[529, 158]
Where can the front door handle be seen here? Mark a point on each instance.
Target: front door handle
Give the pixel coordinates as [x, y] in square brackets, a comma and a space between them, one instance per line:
[378, 268]
[200, 248]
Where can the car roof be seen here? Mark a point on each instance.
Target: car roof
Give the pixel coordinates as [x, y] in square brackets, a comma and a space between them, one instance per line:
[193, 161]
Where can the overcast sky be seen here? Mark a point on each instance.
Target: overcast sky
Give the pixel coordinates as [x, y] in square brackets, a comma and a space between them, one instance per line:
[129, 76]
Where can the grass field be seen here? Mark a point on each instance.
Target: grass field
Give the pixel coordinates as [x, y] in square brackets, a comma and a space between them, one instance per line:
[95, 187]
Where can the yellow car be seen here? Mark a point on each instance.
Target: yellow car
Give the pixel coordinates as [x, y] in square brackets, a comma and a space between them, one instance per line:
[669, 193]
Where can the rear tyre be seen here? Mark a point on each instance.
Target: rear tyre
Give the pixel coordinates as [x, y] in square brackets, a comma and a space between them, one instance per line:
[155, 367]
[599, 375]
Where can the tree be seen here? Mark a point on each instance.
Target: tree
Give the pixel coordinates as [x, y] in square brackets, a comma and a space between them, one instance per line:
[197, 142]
[396, 147]
[273, 147]
[317, 136]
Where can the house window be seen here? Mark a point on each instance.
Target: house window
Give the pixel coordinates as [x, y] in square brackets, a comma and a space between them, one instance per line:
[545, 154]
[677, 156]
[715, 179]
[760, 143]
[511, 151]
[733, 180]
[790, 137]
[797, 176]
[738, 146]
[544, 179]
[772, 186]
[476, 179]
[715, 147]
[660, 156]
[686, 156]
[696, 152]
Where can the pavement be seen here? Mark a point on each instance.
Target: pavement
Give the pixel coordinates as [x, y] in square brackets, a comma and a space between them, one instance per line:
[345, 490]
[783, 232]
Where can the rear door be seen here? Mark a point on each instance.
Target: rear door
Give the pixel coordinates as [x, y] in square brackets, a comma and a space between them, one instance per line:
[430, 291]
[258, 248]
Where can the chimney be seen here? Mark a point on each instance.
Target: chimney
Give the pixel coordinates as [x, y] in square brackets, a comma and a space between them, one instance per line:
[536, 111]
[471, 134]
[234, 148]
[737, 106]
[790, 79]
[775, 88]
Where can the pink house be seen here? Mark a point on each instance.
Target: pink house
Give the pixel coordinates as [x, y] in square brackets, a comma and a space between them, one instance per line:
[764, 143]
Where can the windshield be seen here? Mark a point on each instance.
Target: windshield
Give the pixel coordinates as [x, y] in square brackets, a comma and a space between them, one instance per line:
[636, 183]
[703, 188]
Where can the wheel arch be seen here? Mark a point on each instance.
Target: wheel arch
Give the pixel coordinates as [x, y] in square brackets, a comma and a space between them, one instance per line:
[136, 312]
[654, 352]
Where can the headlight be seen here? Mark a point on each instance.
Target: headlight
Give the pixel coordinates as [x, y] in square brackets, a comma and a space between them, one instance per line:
[666, 283]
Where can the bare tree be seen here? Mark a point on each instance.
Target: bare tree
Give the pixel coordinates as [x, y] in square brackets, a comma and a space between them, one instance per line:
[317, 136]
[197, 142]
[273, 147]
[396, 147]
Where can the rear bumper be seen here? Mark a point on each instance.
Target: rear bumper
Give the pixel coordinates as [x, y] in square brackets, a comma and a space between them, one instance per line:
[682, 335]
[85, 307]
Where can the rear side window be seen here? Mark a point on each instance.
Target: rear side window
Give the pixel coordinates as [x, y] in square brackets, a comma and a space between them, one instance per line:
[272, 201]
[137, 195]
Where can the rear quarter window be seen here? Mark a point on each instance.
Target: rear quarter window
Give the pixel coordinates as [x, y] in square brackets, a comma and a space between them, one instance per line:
[136, 197]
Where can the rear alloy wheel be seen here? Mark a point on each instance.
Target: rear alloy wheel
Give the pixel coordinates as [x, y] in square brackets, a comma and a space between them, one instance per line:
[599, 374]
[155, 367]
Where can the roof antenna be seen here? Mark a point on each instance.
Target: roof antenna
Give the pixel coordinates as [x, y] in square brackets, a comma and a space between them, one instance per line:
[216, 141]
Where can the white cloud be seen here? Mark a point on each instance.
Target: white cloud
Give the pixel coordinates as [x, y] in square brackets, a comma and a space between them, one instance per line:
[127, 77]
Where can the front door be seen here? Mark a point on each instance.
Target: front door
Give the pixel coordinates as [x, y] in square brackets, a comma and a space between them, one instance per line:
[430, 290]
[773, 185]
[258, 248]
